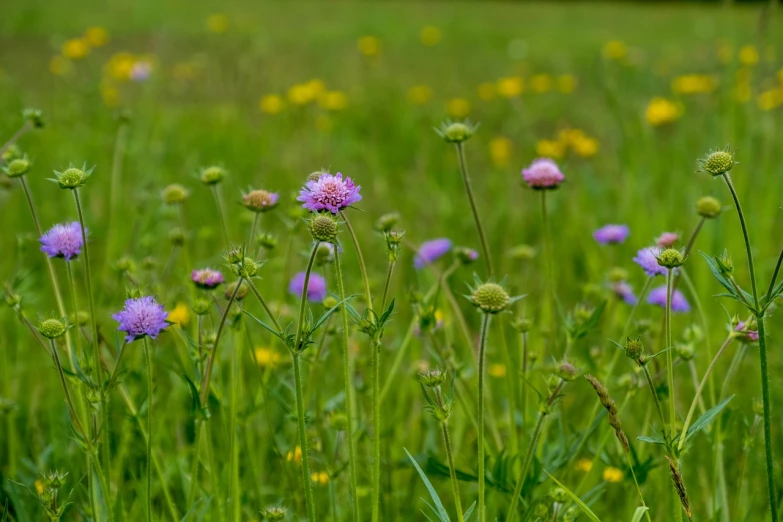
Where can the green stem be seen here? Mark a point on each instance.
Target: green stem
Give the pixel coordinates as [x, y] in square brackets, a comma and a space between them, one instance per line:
[774, 277]
[360, 257]
[452, 470]
[549, 257]
[194, 467]
[511, 394]
[68, 400]
[222, 215]
[748, 249]
[463, 165]
[654, 393]
[26, 126]
[485, 320]
[236, 353]
[638, 489]
[148, 362]
[253, 228]
[263, 304]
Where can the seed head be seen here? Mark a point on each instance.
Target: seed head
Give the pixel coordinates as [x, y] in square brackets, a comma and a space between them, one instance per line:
[717, 162]
[241, 293]
[671, 258]
[634, 348]
[212, 175]
[246, 268]
[456, 132]
[72, 178]
[708, 207]
[611, 408]
[17, 167]
[174, 194]
[567, 371]
[52, 328]
[490, 298]
[259, 200]
[266, 240]
[273, 513]
[324, 228]
[432, 378]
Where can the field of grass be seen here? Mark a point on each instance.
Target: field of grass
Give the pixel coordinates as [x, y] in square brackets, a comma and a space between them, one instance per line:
[244, 414]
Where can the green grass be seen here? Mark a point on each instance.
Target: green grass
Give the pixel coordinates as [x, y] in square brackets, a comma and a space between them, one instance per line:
[642, 176]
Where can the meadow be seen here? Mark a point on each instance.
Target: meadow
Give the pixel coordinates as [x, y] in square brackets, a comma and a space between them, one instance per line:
[225, 328]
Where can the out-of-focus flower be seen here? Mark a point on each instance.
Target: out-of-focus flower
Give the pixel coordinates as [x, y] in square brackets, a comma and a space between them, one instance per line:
[430, 35]
[294, 455]
[662, 111]
[217, 23]
[96, 36]
[320, 477]
[657, 297]
[63, 240]
[543, 174]
[647, 258]
[541, 83]
[267, 358]
[550, 148]
[75, 48]
[585, 147]
[771, 99]
[304, 93]
[207, 278]
[260, 200]
[614, 50]
[120, 66]
[667, 239]
[497, 370]
[745, 332]
[60, 65]
[510, 87]
[316, 286]
[369, 46]
[584, 465]
[419, 94]
[140, 71]
[624, 291]
[458, 107]
[180, 315]
[566, 83]
[486, 91]
[333, 100]
[271, 104]
[748, 55]
[612, 234]
[694, 84]
[430, 251]
[500, 150]
[613, 475]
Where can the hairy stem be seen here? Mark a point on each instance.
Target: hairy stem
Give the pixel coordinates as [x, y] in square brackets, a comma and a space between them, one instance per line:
[481, 377]
[148, 361]
[463, 166]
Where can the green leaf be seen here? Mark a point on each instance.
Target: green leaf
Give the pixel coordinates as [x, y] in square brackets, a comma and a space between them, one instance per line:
[651, 440]
[441, 511]
[329, 312]
[705, 419]
[578, 501]
[639, 513]
[195, 399]
[469, 512]
[266, 326]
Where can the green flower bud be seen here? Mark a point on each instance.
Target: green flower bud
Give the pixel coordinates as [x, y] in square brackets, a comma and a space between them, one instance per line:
[11, 153]
[757, 407]
[212, 175]
[246, 269]
[432, 378]
[314, 176]
[685, 350]
[338, 421]
[717, 162]
[80, 318]
[567, 372]
[241, 293]
[387, 221]
[558, 495]
[273, 513]
[522, 324]
[324, 228]
[267, 241]
[234, 256]
[17, 167]
[708, 207]
[634, 348]
[54, 479]
[52, 328]
[148, 263]
[618, 275]
[456, 132]
[34, 116]
[177, 236]
[490, 298]
[71, 178]
[671, 258]
[330, 302]
[201, 306]
[174, 194]
[124, 264]
[522, 253]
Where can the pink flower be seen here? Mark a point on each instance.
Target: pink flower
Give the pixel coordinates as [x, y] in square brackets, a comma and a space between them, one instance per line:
[543, 174]
[667, 239]
[329, 192]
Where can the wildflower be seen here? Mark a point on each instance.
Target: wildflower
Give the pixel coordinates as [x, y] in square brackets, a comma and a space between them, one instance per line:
[500, 150]
[717, 162]
[217, 23]
[266, 357]
[614, 50]
[541, 83]
[671, 258]
[634, 348]
[75, 48]
[647, 258]
[694, 84]
[708, 207]
[657, 297]
[465, 255]
[612, 234]
[550, 148]
[613, 475]
[52, 328]
[486, 91]
[456, 132]
[458, 107]
[746, 332]
[271, 104]
[120, 65]
[430, 251]
[566, 83]
[273, 513]
[212, 175]
[490, 298]
[419, 94]
[140, 71]
[369, 46]
[96, 36]
[661, 111]
[72, 177]
[329, 192]
[667, 239]
[324, 228]
[567, 371]
[748, 55]
[301, 94]
[511, 87]
[174, 194]
[207, 278]
[429, 35]
[624, 291]
[60, 65]
[543, 174]
[180, 314]
[770, 99]
[320, 477]
[432, 378]
[141, 317]
[63, 240]
[496, 370]
[316, 287]
[585, 147]
[259, 200]
[333, 100]
[17, 167]
[294, 455]
[584, 465]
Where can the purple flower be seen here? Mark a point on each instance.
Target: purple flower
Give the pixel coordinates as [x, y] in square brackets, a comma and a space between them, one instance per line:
[429, 251]
[647, 258]
[612, 234]
[658, 297]
[207, 278]
[667, 239]
[329, 192]
[746, 335]
[316, 287]
[140, 317]
[140, 71]
[624, 291]
[543, 174]
[63, 240]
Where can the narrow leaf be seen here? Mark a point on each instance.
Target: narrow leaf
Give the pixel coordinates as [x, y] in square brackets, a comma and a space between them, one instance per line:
[639, 513]
[441, 511]
[705, 419]
[578, 501]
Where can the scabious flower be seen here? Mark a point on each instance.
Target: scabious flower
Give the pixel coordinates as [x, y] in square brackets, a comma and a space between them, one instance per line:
[316, 287]
[647, 258]
[430, 251]
[624, 291]
[259, 200]
[658, 297]
[329, 192]
[745, 333]
[612, 234]
[667, 239]
[206, 278]
[63, 240]
[141, 316]
[543, 174]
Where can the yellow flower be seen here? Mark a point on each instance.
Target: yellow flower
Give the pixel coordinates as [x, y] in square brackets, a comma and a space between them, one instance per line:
[96, 36]
[497, 370]
[541, 83]
[566, 83]
[60, 65]
[500, 150]
[39, 486]
[510, 87]
[369, 46]
[585, 147]
[661, 111]
[613, 474]
[550, 148]
[320, 477]
[271, 104]
[771, 99]
[584, 465]
[217, 23]
[430, 35]
[120, 66]
[333, 100]
[419, 94]
[780, 76]
[180, 314]
[486, 90]
[694, 84]
[316, 86]
[458, 107]
[295, 455]
[615, 50]
[110, 94]
[265, 357]
[748, 55]
[76, 48]
[301, 94]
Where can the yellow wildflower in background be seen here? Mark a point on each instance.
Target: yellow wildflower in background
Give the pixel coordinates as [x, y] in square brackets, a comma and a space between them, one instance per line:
[541, 83]
[60, 65]
[429, 35]
[584, 465]
[566, 83]
[39, 486]
[320, 477]
[419, 94]
[301, 94]
[217, 23]
[333, 100]
[510, 87]
[266, 357]
[271, 104]
[614, 50]
[369, 46]
[295, 455]
[110, 94]
[613, 475]
[780, 76]
[771, 99]
[725, 53]
[748, 55]
[661, 111]
[550, 148]
[96, 36]
[180, 314]
[585, 146]
[76, 48]
[497, 370]
[458, 107]
[694, 84]
[120, 66]
[486, 91]
[500, 150]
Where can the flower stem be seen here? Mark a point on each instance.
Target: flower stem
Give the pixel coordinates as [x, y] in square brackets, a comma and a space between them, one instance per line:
[68, 400]
[452, 470]
[26, 126]
[774, 277]
[654, 393]
[148, 362]
[669, 358]
[748, 249]
[194, 468]
[549, 260]
[360, 257]
[463, 166]
[222, 215]
[638, 489]
[482, 371]
[263, 304]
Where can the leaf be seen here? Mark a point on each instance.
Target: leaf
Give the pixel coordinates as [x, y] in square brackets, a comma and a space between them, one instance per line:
[651, 440]
[705, 419]
[469, 512]
[639, 513]
[441, 511]
[723, 280]
[266, 326]
[329, 312]
[195, 399]
[578, 501]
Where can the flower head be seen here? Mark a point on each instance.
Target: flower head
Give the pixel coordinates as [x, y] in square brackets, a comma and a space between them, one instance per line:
[142, 316]
[708, 207]
[207, 278]
[456, 132]
[717, 162]
[52, 328]
[329, 192]
[671, 258]
[658, 297]
[489, 297]
[63, 240]
[259, 200]
[624, 291]
[543, 174]
[316, 286]
[430, 251]
[667, 239]
[612, 234]
[647, 258]
[746, 332]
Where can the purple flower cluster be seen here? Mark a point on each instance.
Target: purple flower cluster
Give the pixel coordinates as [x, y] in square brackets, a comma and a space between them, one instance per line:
[329, 192]
[430, 251]
[624, 291]
[657, 297]
[647, 258]
[207, 278]
[316, 286]
[63, 240]
[612, 234]
[543, 174]
[141, 316]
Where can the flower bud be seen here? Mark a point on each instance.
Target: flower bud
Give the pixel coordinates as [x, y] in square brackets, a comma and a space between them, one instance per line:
[634, 348]
[234, 256]
[246, 269]
[259, 200]
[685, 350]
[456, 132]
[17, 167]
[10, 154]
[758, 407]
[52, 328]
[71, 178]
[725, 264]
[148, 263]
[273, 513]
[315, 176]
[567, 372]
[330, 302]
[618, 275]
[177, 237]
[465, 255]
[338, 421]
[387, 221]
[174, 194]
[432, 378]
[717, 162]
[558, 495]
[266, 240]
[521, 324]
[124, 264]
[241, 293]
[671, 258]
[80, 318]
[212, 175]
[201, 306]
[490, 298]
[324, 253]
[34, 116]
[324, 228]
[708, 207]
[522, 253]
